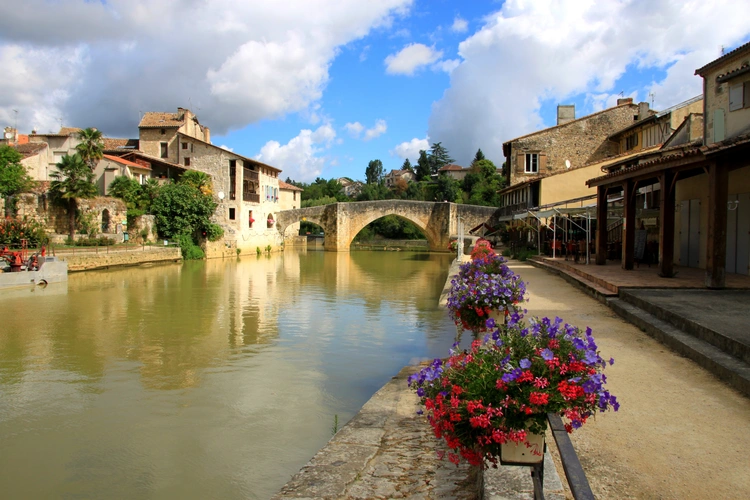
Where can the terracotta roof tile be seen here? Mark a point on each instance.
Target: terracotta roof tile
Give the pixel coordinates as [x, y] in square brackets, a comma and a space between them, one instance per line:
[290, 187]
[451, 167]
[112, 144]
[153, 119]
[30, 148]
[123, 161]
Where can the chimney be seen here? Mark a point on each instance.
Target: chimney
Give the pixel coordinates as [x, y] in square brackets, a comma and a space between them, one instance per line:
[565, 113]
[643, 110]
[625, 100]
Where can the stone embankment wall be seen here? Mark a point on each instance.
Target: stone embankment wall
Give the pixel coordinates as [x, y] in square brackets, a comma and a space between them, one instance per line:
[90, 260]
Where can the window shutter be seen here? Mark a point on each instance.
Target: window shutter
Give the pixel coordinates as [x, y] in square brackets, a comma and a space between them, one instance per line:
[520, 162]
[735, 97]
[746, 99]
[542, 162]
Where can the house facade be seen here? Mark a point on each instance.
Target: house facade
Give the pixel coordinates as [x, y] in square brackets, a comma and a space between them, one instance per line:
[392, 177]
[570, 143]
[452, 170]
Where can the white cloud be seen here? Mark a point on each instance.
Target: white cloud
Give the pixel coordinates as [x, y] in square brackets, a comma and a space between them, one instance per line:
[448, 65]
[224, 146]
[300, 158]
[459, 25]
[531, 52]
[101, 63]
[411, 149]
[363, 54]
[379, 129]
[411, 58]
[354, 129]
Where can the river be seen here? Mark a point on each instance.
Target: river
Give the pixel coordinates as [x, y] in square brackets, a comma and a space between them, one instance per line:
[216, 379]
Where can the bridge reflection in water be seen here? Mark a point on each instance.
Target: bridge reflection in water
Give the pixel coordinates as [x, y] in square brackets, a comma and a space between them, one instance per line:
[215, 379]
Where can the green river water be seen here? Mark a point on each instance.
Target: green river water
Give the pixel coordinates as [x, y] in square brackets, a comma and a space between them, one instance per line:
[215, 379]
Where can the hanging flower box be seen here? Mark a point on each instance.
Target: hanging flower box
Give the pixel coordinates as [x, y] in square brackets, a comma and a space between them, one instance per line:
[271, 222]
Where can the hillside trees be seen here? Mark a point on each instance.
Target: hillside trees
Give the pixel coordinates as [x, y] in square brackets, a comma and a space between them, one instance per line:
[374, 172]
[423, 167]
[439, 158]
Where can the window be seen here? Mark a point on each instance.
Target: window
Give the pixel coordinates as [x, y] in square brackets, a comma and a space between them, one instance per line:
[232, 179]
[736, 97]
[187, 161]
[231, 214]
[163, 131]
[184, 145]
[294, 195]
[250, 219]
[164, 150]
[631, 141]
[532, 163]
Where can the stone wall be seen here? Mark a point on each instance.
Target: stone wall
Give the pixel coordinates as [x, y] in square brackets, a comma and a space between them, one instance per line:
[55, 218]
[580, 141]
[138, 224]
[87, 261]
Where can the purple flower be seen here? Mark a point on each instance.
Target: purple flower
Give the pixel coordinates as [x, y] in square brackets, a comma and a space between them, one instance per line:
[525, 364]
[490, 323]
[591, 357]
[611, 361]
[420, 392]
[547, 354]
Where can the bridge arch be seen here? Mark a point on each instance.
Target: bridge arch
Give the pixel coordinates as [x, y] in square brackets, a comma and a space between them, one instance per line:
[363, 222]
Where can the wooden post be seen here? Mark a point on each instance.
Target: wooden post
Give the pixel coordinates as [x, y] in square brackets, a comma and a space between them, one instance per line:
[601, 225]
[628, 234]
[666, 224]
[716, 252]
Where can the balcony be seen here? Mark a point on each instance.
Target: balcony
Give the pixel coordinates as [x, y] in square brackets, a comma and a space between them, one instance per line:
[251, 197]
[250, 175]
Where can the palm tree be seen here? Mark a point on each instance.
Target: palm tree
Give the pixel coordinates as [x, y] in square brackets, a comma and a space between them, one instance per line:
[72, 180]
[91, 146]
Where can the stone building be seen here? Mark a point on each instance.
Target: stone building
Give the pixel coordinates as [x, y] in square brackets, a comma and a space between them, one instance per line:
[47, 157]
[392, 177]
[456, 171]
[570, 143]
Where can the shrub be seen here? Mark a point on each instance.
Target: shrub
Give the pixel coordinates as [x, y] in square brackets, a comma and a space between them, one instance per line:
[190, 251]
[12, 231]
[214, 232]
[507, 253]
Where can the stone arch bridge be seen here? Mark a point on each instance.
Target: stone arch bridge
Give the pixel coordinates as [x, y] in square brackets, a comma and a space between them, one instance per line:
[342, 221]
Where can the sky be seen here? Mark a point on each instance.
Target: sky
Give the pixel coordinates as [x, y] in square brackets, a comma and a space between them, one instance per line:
[319, 88]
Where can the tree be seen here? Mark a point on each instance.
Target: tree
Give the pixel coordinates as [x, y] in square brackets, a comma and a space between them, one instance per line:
[374, 172]
[182, 210]
[91, 147]
[423, 166]
[448, 189]
[14, 178]
[407, 166]
[400, 186]
[72, 180]
[478, 157]
[482, 183]
[128, 190]
[439, 158]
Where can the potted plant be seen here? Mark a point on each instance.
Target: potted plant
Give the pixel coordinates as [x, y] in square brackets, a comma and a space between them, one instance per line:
[483, 287]
[490, 400]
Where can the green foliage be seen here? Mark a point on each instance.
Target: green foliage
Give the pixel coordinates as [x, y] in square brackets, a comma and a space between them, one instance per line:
[448, 189]
[85, 224]
[326, 200]
[239, 251]
[373, 192]
[91, 147]
[258, 251]
[390, 227]
[214, 232]
[128, 190]
[507, 252]
[197, 179]
[12, 231]
[268, 248]
[482, 183]
[190, 251]
[407, 166]
[415, 191]
[14, 178]
[439, 158]
[182, 209]
[73, 179]
[306, 227]
[321, 188]
[478, 157]
[374, 172]
[423, 167]
[91, 241]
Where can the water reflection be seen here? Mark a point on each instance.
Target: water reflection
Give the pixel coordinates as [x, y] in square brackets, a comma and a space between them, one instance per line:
[208, 379]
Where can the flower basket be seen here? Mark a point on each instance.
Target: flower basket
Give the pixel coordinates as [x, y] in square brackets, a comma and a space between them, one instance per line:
[482, 288]
[500, 391]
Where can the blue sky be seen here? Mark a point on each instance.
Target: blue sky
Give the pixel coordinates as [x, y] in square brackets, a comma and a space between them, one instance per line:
[321, 87]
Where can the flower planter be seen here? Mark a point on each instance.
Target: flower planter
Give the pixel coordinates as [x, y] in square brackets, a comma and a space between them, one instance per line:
[520, 454]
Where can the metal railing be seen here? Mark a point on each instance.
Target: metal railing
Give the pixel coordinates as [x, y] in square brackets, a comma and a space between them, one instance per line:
[576, 477]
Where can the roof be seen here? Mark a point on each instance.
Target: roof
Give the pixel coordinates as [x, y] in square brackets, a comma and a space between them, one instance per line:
[111, 144]
[139, 154]
[64, 132]
[577, 120]
[745, 68]
[30, 148]
[128, 163]
[155, 119]
[290, 187]
[451, 167]
[722, 59]
[185, 136]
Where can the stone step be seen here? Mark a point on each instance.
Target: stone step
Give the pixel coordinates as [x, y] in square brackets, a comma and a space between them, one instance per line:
[726, 367]
[728, 345]
[591, 287]
[578, 271]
